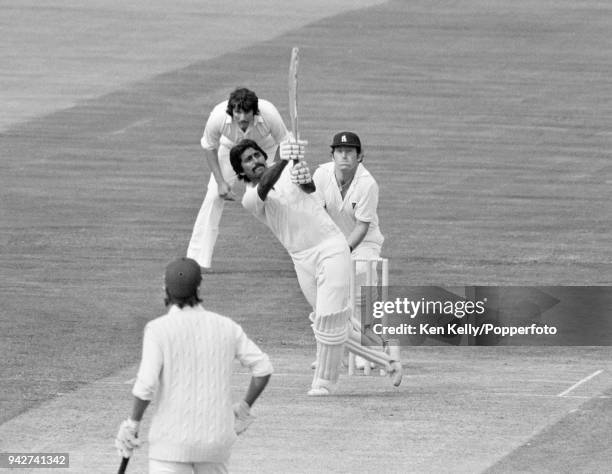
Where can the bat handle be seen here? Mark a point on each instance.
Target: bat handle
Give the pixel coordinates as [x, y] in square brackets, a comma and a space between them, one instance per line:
[296, 137]
[123, 465]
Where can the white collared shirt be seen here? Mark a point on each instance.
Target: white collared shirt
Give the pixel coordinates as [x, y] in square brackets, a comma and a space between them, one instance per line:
[359, 203]
[267, 129]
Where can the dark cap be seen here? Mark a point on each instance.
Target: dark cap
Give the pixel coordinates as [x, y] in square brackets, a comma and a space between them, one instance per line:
[183, 276]
[346, 139]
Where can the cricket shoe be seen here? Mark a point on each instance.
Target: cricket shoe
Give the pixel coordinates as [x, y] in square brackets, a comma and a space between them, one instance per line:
[396, 373]
[319, 392]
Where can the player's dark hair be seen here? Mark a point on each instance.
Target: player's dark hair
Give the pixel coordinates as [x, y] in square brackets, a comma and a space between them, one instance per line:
[236, 156]
[192, 300]
[243, 99]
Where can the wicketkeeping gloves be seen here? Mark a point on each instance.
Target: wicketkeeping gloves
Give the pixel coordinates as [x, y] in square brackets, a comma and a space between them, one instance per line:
[127, 438]
[242, 417]
[300, 174]
[292, 150]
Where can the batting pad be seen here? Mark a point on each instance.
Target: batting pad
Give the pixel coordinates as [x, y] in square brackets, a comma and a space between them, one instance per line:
[353, 344]
[331, 333]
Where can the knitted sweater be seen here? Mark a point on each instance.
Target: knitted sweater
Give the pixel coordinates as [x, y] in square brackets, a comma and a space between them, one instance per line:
[187, 364]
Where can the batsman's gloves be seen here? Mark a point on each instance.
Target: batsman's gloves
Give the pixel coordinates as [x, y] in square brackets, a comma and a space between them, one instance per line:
[225, 191]
[242, 417]
[292, 150]
[300, 174]
[127, 438]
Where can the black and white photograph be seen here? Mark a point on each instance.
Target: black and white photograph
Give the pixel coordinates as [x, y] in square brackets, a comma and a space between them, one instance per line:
[365, 236]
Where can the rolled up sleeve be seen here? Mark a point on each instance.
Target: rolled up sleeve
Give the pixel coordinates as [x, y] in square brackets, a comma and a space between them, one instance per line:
[150, 368]
[212, 130]
[251, 356]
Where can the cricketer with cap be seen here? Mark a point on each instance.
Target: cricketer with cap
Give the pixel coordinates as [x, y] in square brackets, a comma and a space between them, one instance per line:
[242, 115]
[349, 193]
[281, 196]
[186, 366]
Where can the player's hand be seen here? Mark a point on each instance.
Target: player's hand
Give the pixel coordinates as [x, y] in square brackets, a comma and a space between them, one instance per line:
[300, 174]
[225, 192]
[127, 438]
[242, 417]
[292, 149]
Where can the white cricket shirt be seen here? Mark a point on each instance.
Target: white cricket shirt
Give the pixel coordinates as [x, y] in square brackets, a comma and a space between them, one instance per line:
[296, 218]
[360, 201]
[267, 129]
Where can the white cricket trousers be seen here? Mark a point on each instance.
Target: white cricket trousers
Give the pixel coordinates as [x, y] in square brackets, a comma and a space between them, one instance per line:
[206, 227]
[323, 275]
[170, 467]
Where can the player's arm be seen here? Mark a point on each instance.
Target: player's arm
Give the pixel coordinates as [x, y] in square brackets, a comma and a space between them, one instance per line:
[127, 436]
[210, 142]
[138, 408]
[251, 356]
[269, 178]
[256, 387]
[224, 189]
[143, 391]
[365, 212]
[288, 151]
[212, 158]
[242, 409]
[357, 234]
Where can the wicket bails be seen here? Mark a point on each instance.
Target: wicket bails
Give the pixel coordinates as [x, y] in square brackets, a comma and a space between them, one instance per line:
[372, 280]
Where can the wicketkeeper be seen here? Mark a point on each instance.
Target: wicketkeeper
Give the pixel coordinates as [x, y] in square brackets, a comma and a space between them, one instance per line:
[281, 196]
[349, 193]
[186, 366]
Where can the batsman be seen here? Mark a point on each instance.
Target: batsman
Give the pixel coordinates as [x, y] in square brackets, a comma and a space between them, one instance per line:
[281, 196]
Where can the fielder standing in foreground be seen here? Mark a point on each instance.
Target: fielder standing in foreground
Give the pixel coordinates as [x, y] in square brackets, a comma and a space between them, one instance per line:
[243, 115]
[281, 197]
[187, 363]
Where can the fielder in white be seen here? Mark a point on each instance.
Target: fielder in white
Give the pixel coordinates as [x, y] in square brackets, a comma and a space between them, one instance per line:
[243, 115]
[349, 194]
[187, 362]
[281, 196]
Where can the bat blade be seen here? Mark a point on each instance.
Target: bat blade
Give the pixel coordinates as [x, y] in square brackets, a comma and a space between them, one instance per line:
[123, 465]
[293, 91]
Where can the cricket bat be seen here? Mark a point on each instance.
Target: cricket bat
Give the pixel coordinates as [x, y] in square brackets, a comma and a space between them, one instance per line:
[293, 91]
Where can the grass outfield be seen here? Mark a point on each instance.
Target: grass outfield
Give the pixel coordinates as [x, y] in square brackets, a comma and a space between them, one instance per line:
[488, 128]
